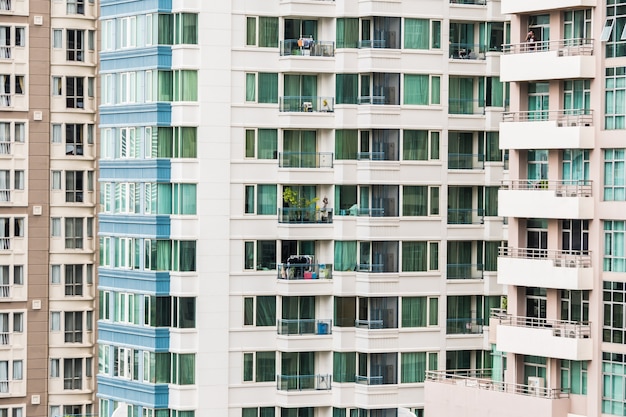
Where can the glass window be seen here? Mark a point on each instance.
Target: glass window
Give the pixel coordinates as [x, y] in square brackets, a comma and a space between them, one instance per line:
[416, 89]
[416, 33]
[414, 256]
[347, 32]
[614, 184]
[614, 253]
[265, 366]
[344, 366]
[346, 88]
[268, 32]
[615, 97]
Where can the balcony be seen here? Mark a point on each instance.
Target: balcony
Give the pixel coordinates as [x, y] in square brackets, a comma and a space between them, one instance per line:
[529, 6]
[546, 199]
[303, 382]
[307, 48]
[290, 327]
[543, 337]
[569, 270]
[469, 393]
[304, 271]
[558, 129]
[466, 51]
[306, 104]
[548, 60]
[296, 215]
[473, 2]
[305, 159]
[369, 380]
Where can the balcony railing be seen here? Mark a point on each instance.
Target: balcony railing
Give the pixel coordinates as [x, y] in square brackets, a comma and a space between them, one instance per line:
[466, 161]
[561, 188]
[303, 382]
[5, 291]
[295, 215]
[465, 106]
[374, 268]
[467, 50]
[464, 271]
[560, 328]
[304, 326]
[464, 326]
[563, 118]
[5, 148]
[305, 159]
[564, 47]
[307, 104]
[560, 258]
[466, 216]
[481, 379]
[370, 212]
[307, 47]
[370, 156]
[5, 243]
[475, 2]
[305, 271]
[373, 43]
[369, 324]
[371, 100]
[369, 380]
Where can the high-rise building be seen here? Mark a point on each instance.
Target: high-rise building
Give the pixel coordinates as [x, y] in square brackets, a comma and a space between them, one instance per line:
[298, 209]
[559, 342]
[48, 61]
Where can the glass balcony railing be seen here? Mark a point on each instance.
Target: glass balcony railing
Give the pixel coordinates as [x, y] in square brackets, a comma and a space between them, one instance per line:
[372, 100]
[305, 159]
[464, 326]
[312, 215]
[475, 2]
[467, 51]
[563, 47]
[370, 156]
[465, 106]
[466, 216]
[303, 382]
[374, 268]
[369, 324]
[307, 104]
[304, 326]
[307, 47]
[466, 161]
[369, 380]
[464, 271]
[563, 118]
[305, 271]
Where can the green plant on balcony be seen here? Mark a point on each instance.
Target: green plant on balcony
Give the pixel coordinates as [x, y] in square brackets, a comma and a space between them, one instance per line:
[303, 208]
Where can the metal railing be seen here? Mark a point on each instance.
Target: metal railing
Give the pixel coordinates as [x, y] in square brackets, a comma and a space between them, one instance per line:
[305, 271]
[563, 118]
[559, 258]
[312, 215]
[560, 328]
[464, 326]
[5, 243]
[5, 291]
[305, 159]
[466, 216]
[474, 2]
[561, 188]
[369, 324]
[464, 271]
[481, 379]
[304, 326]
[5, 148]
[466, 161]
[307, 47]
[303, 382]
[369, 380]
[465, 106]
[467, 51]
[563, 47]
[306, 104]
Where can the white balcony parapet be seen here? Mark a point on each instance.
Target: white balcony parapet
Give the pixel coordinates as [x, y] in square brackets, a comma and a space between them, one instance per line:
[481, 379]
[559, 258]
[564, 47]
[561, 188]
[563, 118]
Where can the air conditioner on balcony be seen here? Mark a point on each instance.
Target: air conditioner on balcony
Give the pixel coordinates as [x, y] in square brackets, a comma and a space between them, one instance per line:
[536, 386]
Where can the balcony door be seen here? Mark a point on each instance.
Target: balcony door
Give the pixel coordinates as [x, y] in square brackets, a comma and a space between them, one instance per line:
[537, 165]
[575, 236]
[537, 237]
[300, 148]
[298, 314]
[538, 101]
[536, 301]
[299, 28]
[540, 25]
[298, 370]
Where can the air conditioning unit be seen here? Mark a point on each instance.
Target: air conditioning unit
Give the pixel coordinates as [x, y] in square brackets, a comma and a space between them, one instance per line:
[536, 386]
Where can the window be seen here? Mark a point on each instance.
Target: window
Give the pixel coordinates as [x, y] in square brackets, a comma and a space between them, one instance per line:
[75, 6]
[186, 32]
[344, 366]
[346, 88]
[347, 32]
[73, 326]
[169, 255]
[74, 186]
[185, 85]
[574, 376]
[346, 144]
[127, 308]
[614, 184]
[614, 253]
[262, 313]
[415, 200]
[104, 305]
[74, 280]
[416, 34]
[262, 31]
[413, 366]
[74, 233]
[72, 373]
[267, 87]
[183, 368]
[259, 367]
[615, 98]
[74, 139]
[613, 380]
[614, 33]
[416, 256]
[75, 39]
[266, 199]
[261, 143]
[420, 311]
[260, 256]
[421, 89]
[420, 145]
[127, 87]
[74, 92]
[128, 32]
[257, 412]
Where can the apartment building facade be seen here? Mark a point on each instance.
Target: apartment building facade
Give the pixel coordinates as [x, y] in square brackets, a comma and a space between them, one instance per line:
[47, 205]
[298, 209]
[563, 267]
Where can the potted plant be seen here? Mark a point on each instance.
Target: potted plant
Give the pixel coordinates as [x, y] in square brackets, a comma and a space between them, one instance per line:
[301, 205]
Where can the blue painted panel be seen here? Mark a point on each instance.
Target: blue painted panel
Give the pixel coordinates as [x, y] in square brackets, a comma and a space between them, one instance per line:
[144, 338]
[134, 392]
[153, 57]
[146, 282]
[111, 8]
[134, 225]
[150, 114]
[135, 170]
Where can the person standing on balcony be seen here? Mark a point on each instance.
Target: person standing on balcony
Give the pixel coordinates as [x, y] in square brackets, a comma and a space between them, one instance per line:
[530, 40]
